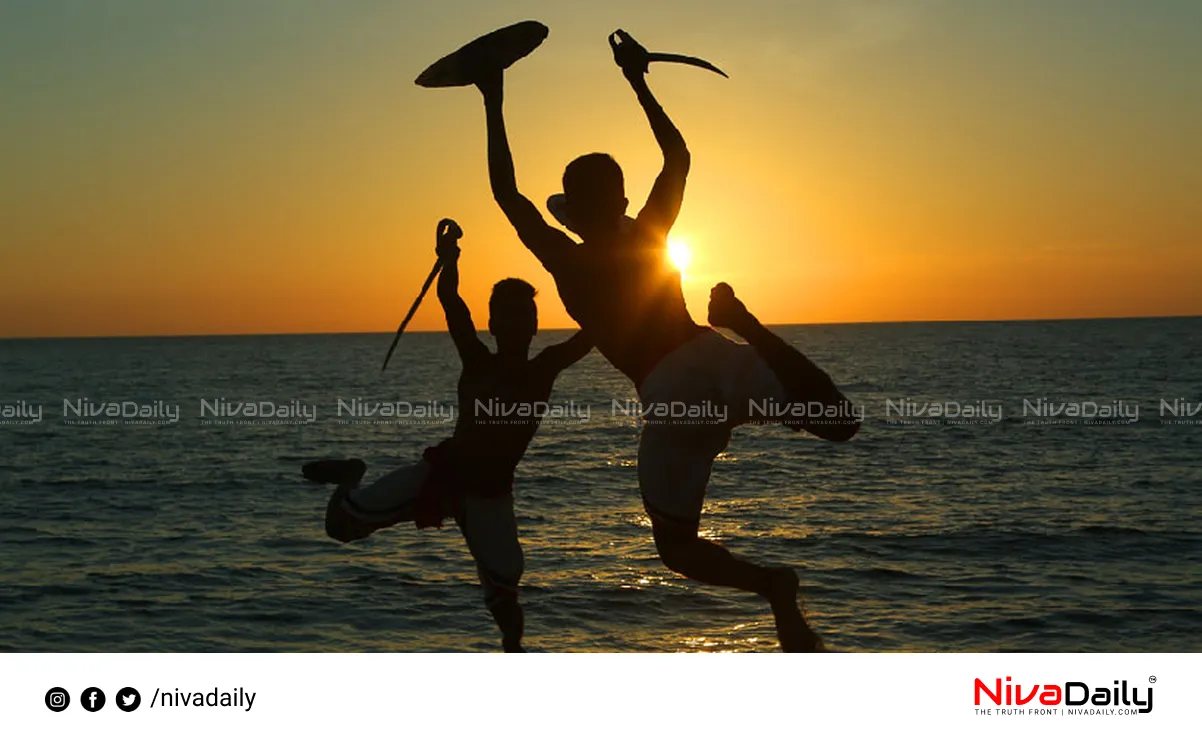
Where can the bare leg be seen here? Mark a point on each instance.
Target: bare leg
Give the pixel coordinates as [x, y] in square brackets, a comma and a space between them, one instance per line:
[803, 381]
[675, 463]
[690, 555]
[511, 620]
[490, 528]
[707, 562]
[354, 513]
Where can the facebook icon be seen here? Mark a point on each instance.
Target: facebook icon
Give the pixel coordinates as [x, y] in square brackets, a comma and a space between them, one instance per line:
[92, 699]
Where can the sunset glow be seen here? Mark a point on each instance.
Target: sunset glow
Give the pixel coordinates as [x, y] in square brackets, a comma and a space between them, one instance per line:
[909, 160]
[679, 254]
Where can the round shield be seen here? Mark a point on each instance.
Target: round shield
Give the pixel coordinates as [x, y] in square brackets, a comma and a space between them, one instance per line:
[494, 51]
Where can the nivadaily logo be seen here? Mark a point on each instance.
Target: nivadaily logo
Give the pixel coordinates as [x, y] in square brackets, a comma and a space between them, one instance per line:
[1071, 697]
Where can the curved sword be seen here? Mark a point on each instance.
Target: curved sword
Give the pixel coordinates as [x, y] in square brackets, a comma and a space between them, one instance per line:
[412, 311]
[685, 59]
[448, 232]
[629, 53]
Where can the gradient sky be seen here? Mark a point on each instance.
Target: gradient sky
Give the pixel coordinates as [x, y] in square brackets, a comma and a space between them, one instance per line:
[225, 166]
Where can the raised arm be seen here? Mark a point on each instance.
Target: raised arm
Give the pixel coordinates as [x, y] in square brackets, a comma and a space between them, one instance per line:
[539, 237]
[663, 205]
[459, 317]
[562, 355]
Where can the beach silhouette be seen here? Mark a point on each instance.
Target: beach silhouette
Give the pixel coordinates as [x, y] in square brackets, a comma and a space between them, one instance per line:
[620, 286]
[895, 330]
[470, 476]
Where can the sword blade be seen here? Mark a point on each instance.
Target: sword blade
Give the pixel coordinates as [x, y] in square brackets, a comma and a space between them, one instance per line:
[684, 59]
[412, 311]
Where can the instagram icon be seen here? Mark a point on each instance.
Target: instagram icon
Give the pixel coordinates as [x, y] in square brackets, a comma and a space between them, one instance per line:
[57, 699]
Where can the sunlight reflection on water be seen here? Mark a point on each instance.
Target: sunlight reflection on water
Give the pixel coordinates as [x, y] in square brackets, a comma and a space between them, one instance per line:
[190, 538]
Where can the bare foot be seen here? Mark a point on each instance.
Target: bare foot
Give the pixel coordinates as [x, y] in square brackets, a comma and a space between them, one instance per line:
[335, 471]
[791, 629]
[341, 524]
[726, 310]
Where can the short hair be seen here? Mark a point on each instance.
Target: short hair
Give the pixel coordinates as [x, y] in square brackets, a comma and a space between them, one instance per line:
[511, 290]
[593, 174]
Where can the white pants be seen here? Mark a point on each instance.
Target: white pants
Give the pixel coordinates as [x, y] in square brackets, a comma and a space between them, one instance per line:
[488, 524]
[692, 400]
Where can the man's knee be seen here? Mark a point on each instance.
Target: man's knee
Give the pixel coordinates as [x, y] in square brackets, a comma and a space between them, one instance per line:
[514, 566]
[500, 582]
[676, 546]
[498, 594]
[508, 573]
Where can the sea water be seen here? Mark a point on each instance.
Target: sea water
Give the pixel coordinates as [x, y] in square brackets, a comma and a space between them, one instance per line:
[1015, 486]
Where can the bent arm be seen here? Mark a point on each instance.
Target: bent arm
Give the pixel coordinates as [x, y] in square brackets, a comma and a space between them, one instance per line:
[562, 355]
[539, 237]
[667, 195]
[459, 317]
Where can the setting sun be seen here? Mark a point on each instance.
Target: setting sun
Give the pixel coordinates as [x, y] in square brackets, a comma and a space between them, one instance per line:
[679, 254]
[1015, 204]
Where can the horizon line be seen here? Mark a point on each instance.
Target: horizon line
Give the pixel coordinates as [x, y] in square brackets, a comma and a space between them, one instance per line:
[302, 334]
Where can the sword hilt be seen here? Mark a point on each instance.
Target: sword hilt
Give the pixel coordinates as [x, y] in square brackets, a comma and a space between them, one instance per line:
[447, 240]
[629, 54]
[448, 231]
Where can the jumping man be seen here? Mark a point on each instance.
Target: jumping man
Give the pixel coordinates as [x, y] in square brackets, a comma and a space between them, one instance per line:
[620, 288]
[468, 477]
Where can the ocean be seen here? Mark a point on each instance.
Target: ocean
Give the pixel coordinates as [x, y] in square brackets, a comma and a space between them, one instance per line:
[1016, 486]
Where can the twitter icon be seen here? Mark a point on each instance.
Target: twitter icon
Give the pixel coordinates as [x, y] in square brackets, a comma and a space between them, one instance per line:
[128, 699]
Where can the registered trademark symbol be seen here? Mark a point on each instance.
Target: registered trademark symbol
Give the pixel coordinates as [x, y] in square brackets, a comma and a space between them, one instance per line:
[1151, 679]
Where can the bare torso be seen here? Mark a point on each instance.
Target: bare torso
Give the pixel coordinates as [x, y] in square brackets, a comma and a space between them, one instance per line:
[498, 416]
[628, 298]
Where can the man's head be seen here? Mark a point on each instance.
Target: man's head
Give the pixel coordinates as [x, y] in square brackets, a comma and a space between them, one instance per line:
[512, 313]
[595, 194]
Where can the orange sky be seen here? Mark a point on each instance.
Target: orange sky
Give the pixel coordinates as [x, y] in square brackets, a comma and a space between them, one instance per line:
[270, 168]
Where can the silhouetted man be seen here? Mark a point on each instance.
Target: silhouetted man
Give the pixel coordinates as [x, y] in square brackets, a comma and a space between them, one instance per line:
[468, 477]
[621, 289]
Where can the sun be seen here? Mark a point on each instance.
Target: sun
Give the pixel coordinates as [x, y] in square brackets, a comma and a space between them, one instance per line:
[679, 254]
